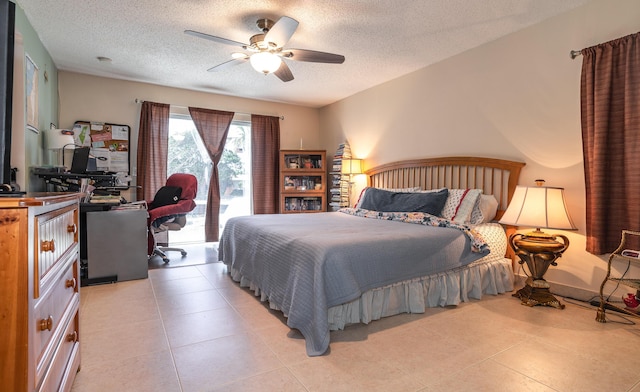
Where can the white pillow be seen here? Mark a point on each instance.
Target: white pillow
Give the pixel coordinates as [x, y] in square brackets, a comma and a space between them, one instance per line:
[485, 209]
[460, 203]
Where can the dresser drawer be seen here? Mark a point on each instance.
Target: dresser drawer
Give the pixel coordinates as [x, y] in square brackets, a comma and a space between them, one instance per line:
[66, 356]
[39, 292]
[52, 311]
[56, 235]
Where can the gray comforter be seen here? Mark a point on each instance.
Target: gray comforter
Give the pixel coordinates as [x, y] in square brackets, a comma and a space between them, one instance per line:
[307, 263]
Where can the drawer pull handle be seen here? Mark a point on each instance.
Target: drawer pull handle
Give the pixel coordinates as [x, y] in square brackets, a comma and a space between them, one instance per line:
[72, 337]
[72, 228]
[48, 246]
[70, 283]
[46, 324]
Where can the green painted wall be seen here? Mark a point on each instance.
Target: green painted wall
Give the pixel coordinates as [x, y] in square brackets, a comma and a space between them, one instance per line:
[35, 155]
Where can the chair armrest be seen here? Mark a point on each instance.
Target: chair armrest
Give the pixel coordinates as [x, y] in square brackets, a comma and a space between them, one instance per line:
[181, 207]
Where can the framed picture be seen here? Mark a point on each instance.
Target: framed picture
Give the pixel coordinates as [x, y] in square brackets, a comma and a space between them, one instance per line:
[32, 92]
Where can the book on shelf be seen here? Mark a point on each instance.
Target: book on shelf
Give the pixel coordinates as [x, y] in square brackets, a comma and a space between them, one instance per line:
[339, 185]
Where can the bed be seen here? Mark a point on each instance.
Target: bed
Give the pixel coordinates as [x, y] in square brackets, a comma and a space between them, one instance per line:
[325, 271]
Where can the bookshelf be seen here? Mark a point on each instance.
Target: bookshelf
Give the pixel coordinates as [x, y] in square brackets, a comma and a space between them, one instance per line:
[303, 181]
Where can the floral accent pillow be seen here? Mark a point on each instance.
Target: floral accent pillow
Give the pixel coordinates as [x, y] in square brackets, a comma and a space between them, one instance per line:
[477, 243]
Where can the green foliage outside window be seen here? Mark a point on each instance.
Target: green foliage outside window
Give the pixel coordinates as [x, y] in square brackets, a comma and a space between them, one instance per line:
[185, 158]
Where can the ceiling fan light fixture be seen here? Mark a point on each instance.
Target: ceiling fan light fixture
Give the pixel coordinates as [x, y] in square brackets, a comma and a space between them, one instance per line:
[267, 48]
[265, 62]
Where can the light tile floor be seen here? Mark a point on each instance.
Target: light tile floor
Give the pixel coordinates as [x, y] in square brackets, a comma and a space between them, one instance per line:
[193, 329]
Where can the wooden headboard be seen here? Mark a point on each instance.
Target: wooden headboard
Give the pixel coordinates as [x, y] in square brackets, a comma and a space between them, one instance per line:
[496, 177]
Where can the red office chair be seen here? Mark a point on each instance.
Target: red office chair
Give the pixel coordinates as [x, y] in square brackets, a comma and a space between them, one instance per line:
[168, 209]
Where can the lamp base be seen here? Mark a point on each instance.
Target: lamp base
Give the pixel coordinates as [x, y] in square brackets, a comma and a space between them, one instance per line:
[536, 292]
[538, 251]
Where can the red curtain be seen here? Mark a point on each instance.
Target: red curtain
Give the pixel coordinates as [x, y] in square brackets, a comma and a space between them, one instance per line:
[265, 150]
[153, 146]
[213, 127]
[610, 106]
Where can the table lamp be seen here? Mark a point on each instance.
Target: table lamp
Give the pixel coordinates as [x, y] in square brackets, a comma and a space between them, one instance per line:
[59, 139]
[351, 167]
[539, 207]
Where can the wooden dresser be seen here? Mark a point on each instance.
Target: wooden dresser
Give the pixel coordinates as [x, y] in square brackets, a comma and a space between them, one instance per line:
[39, 292]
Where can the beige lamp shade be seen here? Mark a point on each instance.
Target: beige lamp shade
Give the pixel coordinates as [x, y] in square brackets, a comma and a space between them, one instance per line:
[352, 166]
[57, 140]
[539, 207]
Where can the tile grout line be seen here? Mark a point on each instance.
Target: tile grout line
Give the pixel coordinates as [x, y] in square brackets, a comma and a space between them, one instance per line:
[284, 365]
[166, 337]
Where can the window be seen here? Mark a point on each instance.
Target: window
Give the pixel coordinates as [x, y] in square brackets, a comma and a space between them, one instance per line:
[187, 154]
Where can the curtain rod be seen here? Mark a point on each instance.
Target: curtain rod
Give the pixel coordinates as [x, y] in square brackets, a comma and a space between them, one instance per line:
[137, 100]
[575, 53]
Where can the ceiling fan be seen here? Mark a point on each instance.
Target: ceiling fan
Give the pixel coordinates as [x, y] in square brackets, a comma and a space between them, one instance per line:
[266, 49]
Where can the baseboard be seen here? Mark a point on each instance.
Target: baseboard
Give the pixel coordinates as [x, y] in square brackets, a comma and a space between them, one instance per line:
[596, 303]
[565, 291]
[574, 293]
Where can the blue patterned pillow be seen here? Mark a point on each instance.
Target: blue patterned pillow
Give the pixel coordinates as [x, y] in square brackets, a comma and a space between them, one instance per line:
[365, 189]
[386, 201]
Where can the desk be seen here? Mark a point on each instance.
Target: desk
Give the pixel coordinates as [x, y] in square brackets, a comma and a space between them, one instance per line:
[71, 182]
[114, 244]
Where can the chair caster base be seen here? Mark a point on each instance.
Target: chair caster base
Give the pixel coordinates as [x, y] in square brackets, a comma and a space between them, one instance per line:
[161, 251]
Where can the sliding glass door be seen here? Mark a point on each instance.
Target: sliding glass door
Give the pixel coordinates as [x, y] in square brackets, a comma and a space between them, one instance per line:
[187, 154]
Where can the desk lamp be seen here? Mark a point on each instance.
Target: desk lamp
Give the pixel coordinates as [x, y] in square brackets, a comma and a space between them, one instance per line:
[59, 139]
[539, 207]
[351, 167]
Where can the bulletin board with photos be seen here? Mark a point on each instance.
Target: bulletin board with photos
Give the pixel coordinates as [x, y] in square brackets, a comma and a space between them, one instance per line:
[109, 143]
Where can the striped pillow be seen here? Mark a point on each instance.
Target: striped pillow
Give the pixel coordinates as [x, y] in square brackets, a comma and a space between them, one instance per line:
[460, 203]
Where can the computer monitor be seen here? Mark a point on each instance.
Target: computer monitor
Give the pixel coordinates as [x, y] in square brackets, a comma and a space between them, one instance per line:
[80, 160]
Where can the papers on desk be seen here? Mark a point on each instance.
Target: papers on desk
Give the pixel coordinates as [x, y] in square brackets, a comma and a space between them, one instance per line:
[86, 189]
[107, 199]
[136, 205]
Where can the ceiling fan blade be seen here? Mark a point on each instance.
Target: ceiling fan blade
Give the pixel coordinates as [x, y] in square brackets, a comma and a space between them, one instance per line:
[215, 39]
[281, 32]
[312, 56]
[284, 73]
[228, 64]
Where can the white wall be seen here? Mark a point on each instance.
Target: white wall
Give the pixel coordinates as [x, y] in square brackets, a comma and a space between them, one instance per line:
[514, 98]
[92, 98]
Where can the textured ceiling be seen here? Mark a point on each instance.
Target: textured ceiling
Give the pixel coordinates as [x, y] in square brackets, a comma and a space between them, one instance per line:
[381, 39]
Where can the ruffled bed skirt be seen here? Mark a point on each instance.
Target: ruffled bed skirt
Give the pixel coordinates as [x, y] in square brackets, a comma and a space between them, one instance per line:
[494, 276]
[414, 296]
